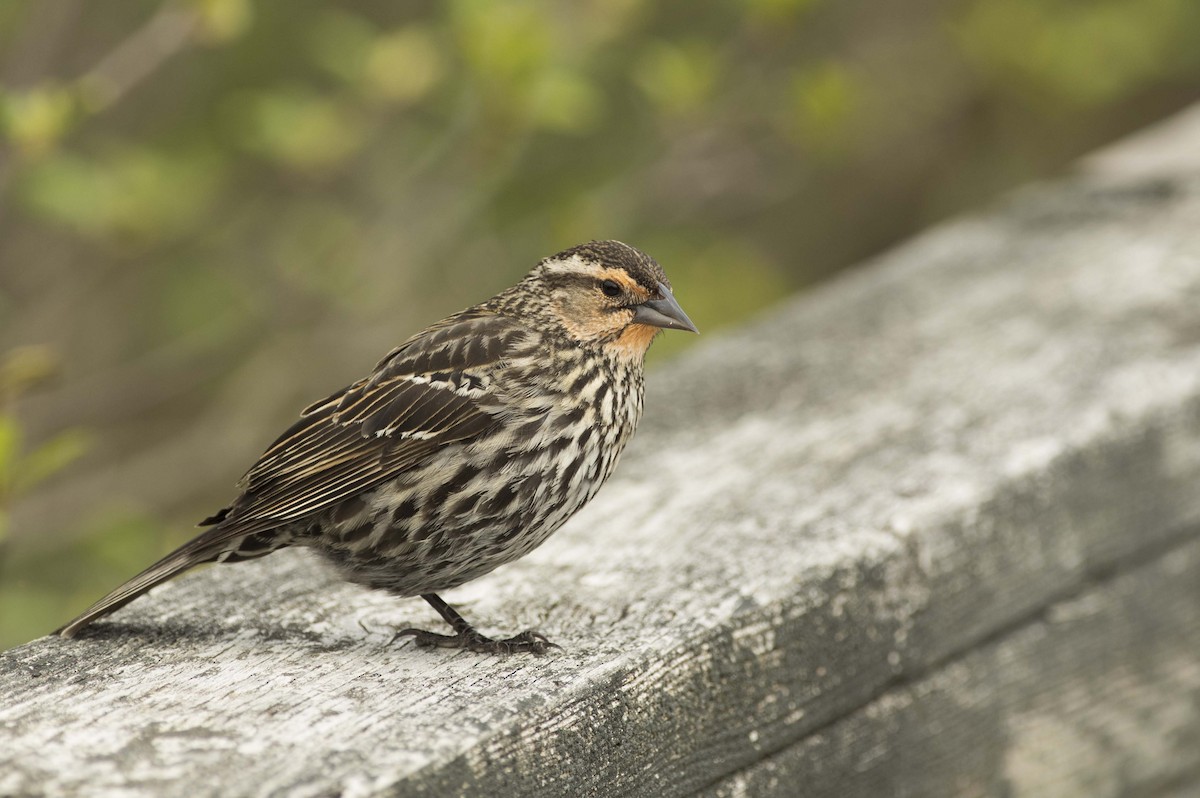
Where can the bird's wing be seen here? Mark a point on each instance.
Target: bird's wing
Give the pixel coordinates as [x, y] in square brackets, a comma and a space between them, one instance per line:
[435, 389]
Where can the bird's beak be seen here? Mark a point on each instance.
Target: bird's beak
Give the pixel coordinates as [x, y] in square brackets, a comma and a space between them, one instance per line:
[664, 313]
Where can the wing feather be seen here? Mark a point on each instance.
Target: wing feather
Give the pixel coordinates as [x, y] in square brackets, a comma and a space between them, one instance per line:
[432, 391]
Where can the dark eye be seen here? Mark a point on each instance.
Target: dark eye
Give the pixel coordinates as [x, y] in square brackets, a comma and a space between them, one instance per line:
[610, 288]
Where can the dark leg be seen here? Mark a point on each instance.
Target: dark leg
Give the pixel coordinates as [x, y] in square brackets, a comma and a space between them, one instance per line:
[465, 635]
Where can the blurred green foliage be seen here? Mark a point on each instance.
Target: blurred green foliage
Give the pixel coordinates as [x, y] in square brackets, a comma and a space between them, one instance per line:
[212, 211]
[23, 468]
[1081, 53]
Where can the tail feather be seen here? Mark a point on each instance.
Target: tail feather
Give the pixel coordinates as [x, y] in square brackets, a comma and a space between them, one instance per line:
[197, 552]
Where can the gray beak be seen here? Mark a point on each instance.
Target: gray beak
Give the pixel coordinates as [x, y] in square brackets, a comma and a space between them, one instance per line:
[664, 313]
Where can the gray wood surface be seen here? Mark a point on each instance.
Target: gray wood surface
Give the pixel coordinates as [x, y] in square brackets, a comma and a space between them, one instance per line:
[1097, 695]
[929, 529]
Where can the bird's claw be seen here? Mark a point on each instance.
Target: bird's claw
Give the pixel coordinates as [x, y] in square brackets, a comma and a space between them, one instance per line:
[526, 642]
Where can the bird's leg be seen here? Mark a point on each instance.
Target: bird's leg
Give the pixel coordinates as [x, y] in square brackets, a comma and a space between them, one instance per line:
[466, 636]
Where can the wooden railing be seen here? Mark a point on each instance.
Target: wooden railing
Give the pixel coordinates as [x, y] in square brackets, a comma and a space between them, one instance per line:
[930, 529]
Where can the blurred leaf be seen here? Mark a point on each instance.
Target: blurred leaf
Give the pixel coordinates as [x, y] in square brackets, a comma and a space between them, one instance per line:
[679, 79]
[1085, 54]
[503, 40]
[22, 368]
[340, 42]
[51, 457]
[404, 66]
[26, 367]
[778, 10]
[297, 127]
[36, 120]
[824, 99]
[10, 451]
[223, 20]
[130, 192]
[564, 101]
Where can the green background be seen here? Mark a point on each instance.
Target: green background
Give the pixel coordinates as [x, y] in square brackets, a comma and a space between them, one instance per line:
[212, 212]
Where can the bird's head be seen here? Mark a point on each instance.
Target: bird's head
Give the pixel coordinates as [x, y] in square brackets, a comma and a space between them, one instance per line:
[610, 295]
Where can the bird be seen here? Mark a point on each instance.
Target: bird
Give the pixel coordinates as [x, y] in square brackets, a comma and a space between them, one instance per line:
[464, 449]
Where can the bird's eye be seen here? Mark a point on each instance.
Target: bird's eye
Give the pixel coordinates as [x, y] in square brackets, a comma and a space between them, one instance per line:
[610, 288]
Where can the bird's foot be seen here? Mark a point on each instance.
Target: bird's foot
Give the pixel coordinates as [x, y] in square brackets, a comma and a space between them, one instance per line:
[470, 639]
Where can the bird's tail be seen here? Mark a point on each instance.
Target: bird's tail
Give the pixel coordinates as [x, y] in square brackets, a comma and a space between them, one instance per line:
[182, 559]
[207, 547]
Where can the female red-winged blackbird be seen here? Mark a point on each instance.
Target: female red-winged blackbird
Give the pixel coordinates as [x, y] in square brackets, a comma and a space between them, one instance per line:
[463, 450]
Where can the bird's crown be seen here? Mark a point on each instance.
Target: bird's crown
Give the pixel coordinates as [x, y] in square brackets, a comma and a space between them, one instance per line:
[595, 257]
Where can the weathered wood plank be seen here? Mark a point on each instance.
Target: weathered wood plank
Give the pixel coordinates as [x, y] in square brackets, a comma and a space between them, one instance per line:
[1098, 695]
[881, 480]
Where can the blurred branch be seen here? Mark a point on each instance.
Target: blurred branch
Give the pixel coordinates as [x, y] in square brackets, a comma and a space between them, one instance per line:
[32, 54]
[130, 63]
[136, 58]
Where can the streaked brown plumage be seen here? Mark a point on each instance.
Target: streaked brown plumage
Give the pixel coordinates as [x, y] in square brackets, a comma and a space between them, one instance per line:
[465, 448]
